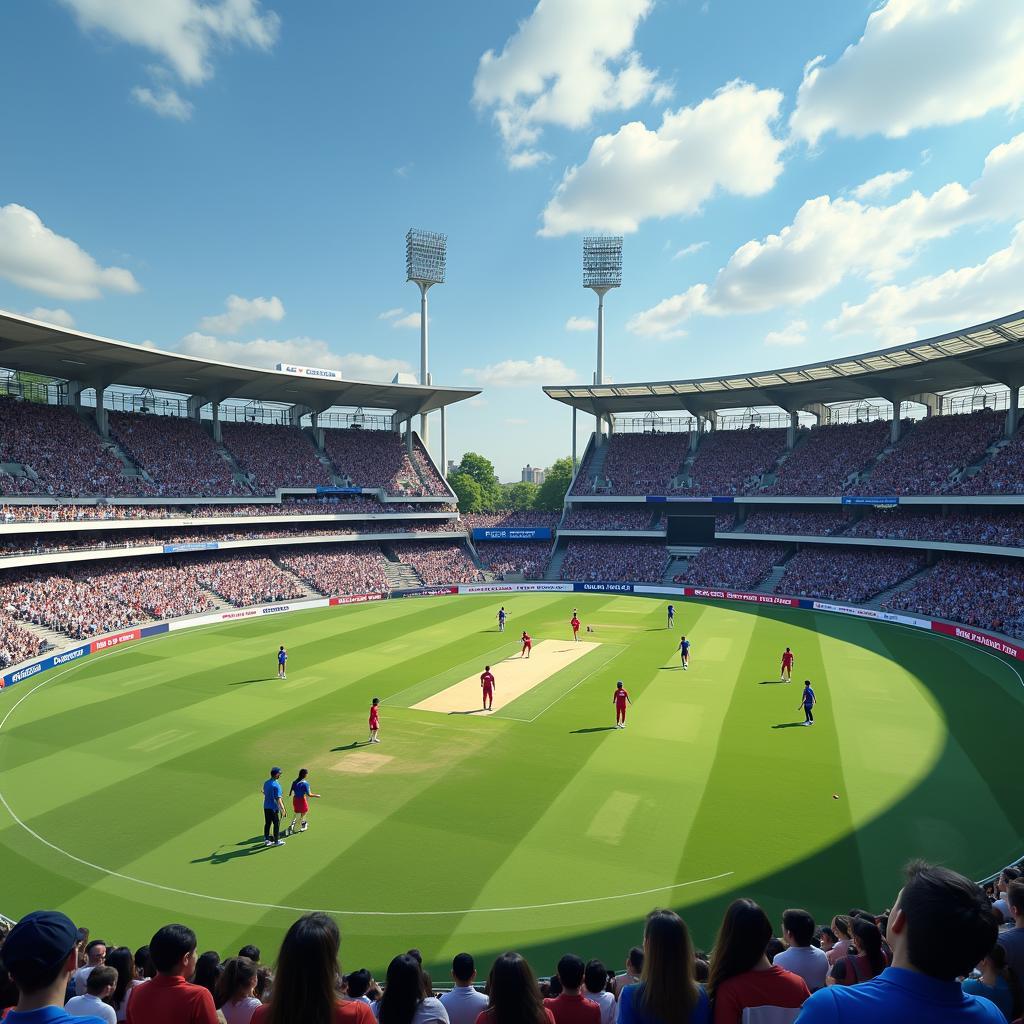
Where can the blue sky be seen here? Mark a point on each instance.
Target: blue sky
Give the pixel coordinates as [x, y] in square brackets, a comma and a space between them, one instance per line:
[235, 179]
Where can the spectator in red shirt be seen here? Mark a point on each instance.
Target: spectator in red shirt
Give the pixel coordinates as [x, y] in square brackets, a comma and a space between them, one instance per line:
[514, 994]
[741, 975]
[305, 983]
[571, 1007]
[169, 998]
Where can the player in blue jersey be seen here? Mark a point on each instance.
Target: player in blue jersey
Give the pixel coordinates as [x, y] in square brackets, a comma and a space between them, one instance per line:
[282, 663]
[501, 619]
[807, 702]
[300, 793]
[684, 653]
[273, 808]
[671, 615]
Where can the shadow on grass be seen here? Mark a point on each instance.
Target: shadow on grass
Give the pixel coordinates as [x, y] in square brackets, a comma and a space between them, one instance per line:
[255, 844]
[671, 668]
[772, 682]
[355, 744]
[596, 728]
[788, 725]
[472, 711]
[248, 682]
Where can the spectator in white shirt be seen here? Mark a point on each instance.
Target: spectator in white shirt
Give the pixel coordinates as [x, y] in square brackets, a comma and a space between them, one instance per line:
[1006, 876]
[101, 982]
[802, 958]
[464, 1003]
[96, 954]
[634, 965]
[235, 990]
[595, 988]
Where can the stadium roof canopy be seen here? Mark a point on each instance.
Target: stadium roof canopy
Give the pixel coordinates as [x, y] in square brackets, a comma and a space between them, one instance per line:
[991, 353]
[35, 347]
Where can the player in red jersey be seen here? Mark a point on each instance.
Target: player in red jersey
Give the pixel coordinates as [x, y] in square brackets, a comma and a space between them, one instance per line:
[375, 720]
[787, 666]
[575, 623]
[621, 699]
[527, 645]
[487, 685]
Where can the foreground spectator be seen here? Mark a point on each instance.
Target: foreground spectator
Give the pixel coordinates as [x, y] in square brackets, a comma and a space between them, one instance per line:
[463, 1004]
[235, 992]
[123, 962]
[1013, 939]
[998, 984]
[40, 954]
[169, 998]
[305, 982]
[98, 988]
[570, 1006]
[801, 957]
[407, 998]
[634, 967]
[741, 975]
[595, 982]
[939, 928]
[667, 992]
[514, 994]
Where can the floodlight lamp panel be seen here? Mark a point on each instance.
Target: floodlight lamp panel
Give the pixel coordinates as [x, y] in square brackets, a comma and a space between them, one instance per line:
[602, 261]
[426, 256]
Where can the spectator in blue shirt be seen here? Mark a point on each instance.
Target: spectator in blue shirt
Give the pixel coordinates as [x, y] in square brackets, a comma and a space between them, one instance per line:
[940, 927]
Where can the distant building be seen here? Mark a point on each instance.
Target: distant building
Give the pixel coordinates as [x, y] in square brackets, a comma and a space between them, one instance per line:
[453, 467]
[532, 475]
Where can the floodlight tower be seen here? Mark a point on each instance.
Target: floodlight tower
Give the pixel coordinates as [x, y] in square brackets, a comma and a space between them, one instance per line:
[426, 254]
[602, 271]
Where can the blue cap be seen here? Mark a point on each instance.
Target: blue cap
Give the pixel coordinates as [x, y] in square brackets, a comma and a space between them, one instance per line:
[44, 938]
[275, 771]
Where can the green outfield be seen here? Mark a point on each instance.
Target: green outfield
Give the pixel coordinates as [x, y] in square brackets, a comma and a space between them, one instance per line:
[131, 781]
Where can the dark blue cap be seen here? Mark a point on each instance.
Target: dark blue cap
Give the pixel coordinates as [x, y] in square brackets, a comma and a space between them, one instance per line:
[44, 937]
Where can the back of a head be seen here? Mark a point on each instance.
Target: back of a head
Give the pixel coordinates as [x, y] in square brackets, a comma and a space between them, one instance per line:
[636, 959]
[252, 952]
[869, 942]
[1015, 897]
[99, 978]
[306, 973]
[236, 979]
[742, 940]
[170, 944]
[595, 976]
[570, 970]
[122, 961]
[144, 962]
[514, 993]
[403, 991]
[668, 992]
[207, 970]
[800, 925]
[358, 983]
[463, 968]
[949, 922]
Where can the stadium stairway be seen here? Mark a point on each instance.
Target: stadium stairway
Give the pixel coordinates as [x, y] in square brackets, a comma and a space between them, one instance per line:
[911, 581]
[237, 473]
[399, 575]
[771, 581]
[50, 637]
[307, 590]
[554, 569]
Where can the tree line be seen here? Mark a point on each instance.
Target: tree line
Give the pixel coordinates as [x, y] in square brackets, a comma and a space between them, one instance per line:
[476, 485]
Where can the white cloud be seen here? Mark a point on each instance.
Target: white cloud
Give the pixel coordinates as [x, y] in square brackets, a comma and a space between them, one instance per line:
[390, 314]
[409, 320]
[794, 333]
[305, 351]
[514, 373]
[580, 323]
[34, 257]
[723, 144]
[59, 317]
[182, 32]
[919, 63]
[165, 101]
[241, 312]
[689, 250]
[567, 61]
[830, 239]
[898, 313]
[881, 185]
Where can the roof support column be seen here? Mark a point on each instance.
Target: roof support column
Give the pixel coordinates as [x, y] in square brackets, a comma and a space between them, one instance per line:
[75, 389]
[822, 413]
[931, 402]
[711, 416]
[195, 404]
[794, 426]
[102, 423]
[575, 462]
[295, 414]
[1012, 410]
[894, 428]
[695, 434]
[444, 444]
[215, 422]
[408, 435]
[316, 430]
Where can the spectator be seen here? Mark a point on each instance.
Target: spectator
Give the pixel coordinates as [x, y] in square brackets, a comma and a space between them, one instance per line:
[463, 1004]
[998, 984]
[514, 994]
[841, 946]
[305, 983]
[252, 952]
[235, 991]
[667, 992]
[1012, 940]
[438, 563]
[41, 954]
[801, 957]
[634, 969]
[95, 954]
[144, 964]
[99, 986]
[406, 995]
[610, 560]
[358, 985]
[825, 938]
[1006, 876]
[732, 565]
[169, 998]
[570, 1006]
[595, 988]
[940, 926]
[741, 975]
[123, 962]
[207, 971]
[865, 959]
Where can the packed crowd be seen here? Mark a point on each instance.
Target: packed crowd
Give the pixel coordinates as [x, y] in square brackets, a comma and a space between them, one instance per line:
[930, 453]
[610, 518]
[824, 460]
[637, 464]
[351, 569]
[943, 953]
[16, 643]
[274, 456]
[811, 523]
[733, 461]
[244, 579]
[62, 450]
[959, 526]
[731, 565]
[525, 558]
[643, 561]
[1002, 474]
[438, 562]
[847, 574]
[984, 592]
[177, 454]
[432, 484]
[376, 458]
[518, 519]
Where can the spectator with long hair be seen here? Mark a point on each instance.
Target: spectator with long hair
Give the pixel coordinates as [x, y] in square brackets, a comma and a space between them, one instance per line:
[407, 998]
[741, 975]
[123, 962]
[235, 990]
[865, 960]
[998, 984]
[841, 943]
[207, 971]
[514, 993]
[667, 992]
[306, 978]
